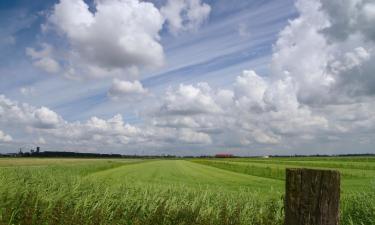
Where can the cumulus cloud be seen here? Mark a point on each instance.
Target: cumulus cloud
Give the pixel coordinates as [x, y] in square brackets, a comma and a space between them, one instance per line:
[326, 70]
[121, 35]
[117, 38]
[44, 121]
[12, 112]
[313, 73]
[50, 127]
[43, 58]
[250, 89]
[314, 85]
[256, 111]
[46, 118]
[193, 137]
[185, 15]
[121, 89]
[350, 16]
[5, 137]
[112, 132]
[189, 99]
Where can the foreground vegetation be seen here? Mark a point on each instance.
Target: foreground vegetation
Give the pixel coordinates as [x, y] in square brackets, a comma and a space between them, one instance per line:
[167, 192]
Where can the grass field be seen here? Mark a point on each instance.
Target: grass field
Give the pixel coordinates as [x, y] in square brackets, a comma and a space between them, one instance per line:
[197, 191]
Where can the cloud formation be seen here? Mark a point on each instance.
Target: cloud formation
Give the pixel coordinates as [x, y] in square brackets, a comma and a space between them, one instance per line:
[14, 114]
[188, 99]
[314, 85]
[44, 121]
[121, 35]
[326, 70]
[320, 88]
[185, 15]
[118, 39]
[255, 111]
[350, 17]
[121, 89]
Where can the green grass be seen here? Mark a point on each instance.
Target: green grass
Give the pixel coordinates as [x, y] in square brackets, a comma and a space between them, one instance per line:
[352, 179]
[188, 174]
[165, 192]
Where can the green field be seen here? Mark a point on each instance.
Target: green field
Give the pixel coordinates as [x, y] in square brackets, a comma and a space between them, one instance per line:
[167, 192]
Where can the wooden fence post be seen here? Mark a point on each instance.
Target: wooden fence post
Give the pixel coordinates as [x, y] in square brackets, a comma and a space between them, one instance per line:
[312, 197]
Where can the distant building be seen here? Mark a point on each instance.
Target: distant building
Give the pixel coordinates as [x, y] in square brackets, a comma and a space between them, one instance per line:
[223, 155]
[38, 149]
[265, 157]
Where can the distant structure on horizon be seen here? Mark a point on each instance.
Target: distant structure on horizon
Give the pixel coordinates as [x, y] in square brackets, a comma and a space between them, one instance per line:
[224, 155]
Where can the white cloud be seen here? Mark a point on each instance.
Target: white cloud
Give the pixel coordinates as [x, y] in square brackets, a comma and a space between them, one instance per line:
[46, 118]
[98, 131]
[352, 59]
[311, 75]
[193, 137]
[256, 111]
[121, 35]
[13, 112]
[43, 59]
[5, 137]
[43, 121]
[349, 17]
[189, 99]
[176, 122]
[328, 62]
[27, 116]
[270, 109]
[126, 89]
[185, 15]
[250, 89]
[113, 132]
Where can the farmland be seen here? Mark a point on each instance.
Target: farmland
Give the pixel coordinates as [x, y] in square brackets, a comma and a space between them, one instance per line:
[196, 191]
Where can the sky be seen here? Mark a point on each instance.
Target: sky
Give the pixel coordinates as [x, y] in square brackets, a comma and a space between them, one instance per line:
[188, 77]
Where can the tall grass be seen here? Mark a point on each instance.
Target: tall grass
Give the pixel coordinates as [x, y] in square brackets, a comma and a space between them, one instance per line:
[74, 194]
[358, 208]
[66, 195]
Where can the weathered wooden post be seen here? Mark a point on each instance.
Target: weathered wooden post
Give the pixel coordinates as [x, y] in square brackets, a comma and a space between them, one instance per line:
[312, 197]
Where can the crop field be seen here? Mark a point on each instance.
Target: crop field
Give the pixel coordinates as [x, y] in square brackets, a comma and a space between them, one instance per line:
[169, 192]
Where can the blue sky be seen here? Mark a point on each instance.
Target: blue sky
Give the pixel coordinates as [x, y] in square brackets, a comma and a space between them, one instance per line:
[216, 53]
[178, 67]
